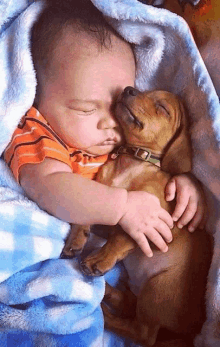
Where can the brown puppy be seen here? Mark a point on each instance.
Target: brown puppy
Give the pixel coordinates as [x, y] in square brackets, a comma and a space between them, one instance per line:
[170, 286]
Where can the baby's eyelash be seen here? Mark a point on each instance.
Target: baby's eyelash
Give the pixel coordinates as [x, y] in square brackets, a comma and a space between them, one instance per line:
[90, 111]
[83, 111]
[86, 113]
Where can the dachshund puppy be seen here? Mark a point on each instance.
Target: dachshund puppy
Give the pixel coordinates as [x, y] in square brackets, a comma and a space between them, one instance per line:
[168, 289]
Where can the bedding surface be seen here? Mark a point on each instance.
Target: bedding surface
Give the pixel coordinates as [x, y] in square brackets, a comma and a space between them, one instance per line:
[45, 300]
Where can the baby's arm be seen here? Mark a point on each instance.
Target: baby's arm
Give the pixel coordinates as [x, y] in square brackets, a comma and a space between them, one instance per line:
[190, 201]
[79, 200]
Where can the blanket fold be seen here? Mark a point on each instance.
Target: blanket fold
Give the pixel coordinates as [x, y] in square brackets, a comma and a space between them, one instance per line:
[45, 300]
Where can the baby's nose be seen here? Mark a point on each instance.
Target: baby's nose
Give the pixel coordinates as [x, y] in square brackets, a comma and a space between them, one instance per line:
[107, 121]
[130, 91]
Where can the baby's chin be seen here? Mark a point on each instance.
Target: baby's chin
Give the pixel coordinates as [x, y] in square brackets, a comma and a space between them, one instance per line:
[101, 149]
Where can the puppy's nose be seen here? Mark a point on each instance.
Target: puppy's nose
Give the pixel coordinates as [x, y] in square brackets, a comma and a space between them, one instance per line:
[130, 91]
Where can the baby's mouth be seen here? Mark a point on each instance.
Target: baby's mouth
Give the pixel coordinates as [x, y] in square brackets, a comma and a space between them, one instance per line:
[110, 141]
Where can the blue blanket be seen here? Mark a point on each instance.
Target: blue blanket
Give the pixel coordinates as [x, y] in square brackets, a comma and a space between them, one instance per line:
[45, 300]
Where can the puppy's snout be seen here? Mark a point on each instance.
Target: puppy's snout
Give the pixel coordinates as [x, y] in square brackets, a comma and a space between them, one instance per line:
[130, 91]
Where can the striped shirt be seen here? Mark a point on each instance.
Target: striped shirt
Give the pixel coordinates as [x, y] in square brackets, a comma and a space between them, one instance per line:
[34, 140]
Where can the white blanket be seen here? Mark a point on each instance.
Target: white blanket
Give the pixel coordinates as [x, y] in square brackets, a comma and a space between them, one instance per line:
[41, 310]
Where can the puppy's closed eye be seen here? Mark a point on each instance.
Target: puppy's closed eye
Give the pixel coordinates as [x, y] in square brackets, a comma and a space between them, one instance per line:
[138, 123]
[162, 107]
[134, 119]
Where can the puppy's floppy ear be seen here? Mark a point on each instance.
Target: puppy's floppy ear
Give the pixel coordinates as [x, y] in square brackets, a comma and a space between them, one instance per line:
[177, 155]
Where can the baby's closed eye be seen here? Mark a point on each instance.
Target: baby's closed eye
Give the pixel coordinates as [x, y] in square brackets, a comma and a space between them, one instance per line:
[82, 107]
[82, 112]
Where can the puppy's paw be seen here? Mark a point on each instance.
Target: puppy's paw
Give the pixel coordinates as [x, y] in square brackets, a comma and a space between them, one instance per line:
[76, 241]
[69, 253]
[99, 263]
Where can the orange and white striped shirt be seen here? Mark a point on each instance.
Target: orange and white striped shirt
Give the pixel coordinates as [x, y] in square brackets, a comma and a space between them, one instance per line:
[34, 140]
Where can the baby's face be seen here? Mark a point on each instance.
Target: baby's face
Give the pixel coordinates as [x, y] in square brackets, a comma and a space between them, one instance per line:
[77, 97]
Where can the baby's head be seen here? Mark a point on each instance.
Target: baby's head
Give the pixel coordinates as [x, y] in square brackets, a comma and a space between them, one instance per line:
[82, 65]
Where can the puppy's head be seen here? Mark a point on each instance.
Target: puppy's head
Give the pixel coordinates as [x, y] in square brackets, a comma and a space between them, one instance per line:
[156, 120]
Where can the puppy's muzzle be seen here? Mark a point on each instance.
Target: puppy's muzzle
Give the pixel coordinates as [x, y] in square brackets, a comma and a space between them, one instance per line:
[128, 93]
[123, 110]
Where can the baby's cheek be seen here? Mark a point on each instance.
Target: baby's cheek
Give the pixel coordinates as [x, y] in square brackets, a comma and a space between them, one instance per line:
[119, 134]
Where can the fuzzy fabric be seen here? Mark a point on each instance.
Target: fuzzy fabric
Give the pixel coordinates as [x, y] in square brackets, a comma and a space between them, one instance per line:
[46, 300]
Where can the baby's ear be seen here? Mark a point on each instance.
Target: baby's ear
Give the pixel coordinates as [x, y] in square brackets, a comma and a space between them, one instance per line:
[178, 155]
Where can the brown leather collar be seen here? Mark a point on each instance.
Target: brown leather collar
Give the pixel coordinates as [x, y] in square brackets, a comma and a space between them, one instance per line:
[137, 152]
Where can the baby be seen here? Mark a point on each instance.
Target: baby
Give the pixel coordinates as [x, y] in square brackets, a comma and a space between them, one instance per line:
[82, 66]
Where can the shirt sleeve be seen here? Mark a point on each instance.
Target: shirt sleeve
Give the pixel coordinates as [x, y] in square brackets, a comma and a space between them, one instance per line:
[31, 143]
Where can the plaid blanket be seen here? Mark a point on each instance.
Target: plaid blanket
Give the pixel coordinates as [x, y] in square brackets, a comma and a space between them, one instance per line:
[45, 300]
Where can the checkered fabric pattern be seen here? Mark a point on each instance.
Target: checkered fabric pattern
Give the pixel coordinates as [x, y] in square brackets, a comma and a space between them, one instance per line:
[44, 300]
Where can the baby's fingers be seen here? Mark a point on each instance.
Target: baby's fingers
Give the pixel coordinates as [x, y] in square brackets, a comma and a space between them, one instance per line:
[170, 190]
[164, 231]
[155, 237]
[166, 218]
[188, 214]
[143, 244]
[198, 220]
[180, 207]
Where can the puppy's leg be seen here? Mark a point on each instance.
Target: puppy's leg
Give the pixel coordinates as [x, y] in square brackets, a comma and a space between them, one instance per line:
[128, 327]
[158, 305]
[115, 249]
[167, 301]
[132, 329]
[123, 321]
[122, 302]
[76, 240]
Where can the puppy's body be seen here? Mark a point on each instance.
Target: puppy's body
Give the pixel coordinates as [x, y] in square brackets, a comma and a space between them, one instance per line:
[145, 176]
[169, 287]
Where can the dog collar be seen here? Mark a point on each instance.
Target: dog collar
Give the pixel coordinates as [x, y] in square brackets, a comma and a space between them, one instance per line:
[137, 152]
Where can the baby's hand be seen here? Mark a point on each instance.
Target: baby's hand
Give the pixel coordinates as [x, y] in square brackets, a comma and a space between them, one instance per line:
[190, 201]
[144, 219]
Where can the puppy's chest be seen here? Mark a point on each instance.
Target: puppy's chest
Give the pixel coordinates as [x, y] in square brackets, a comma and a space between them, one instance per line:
[134, 175]
[118, 173]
